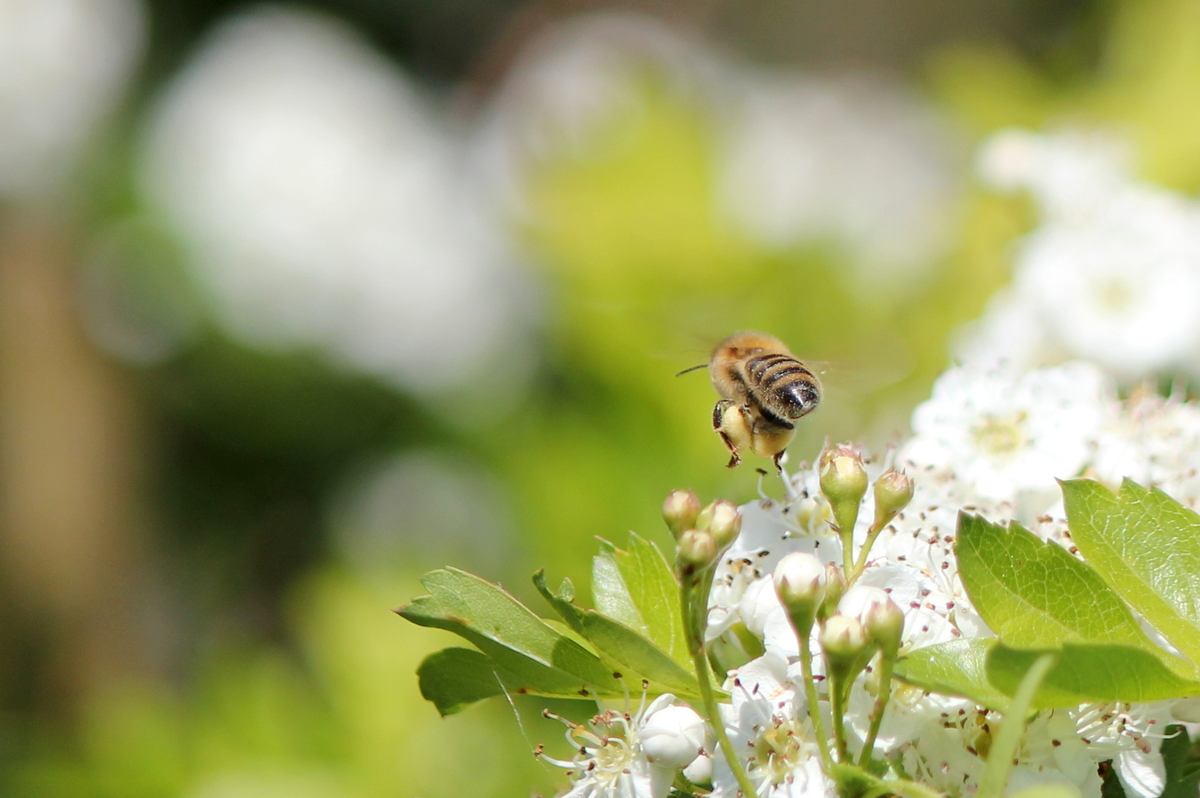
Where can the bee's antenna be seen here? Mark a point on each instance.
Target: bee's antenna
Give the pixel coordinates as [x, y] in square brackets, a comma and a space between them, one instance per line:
[693, 368]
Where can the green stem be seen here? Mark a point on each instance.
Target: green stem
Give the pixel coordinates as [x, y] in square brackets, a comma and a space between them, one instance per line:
[861, 561]
[1004, 748]
[837, 708]
[846, 533]
[694, 613]
[814, 708]
[903, 787]
[885, 693]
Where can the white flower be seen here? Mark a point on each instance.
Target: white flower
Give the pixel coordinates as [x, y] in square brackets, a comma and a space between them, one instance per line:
[326, 204]
[857, 163]
[1069, 173]
[612, 760]
[1130, 735]
[1111, 274]
[769, 728]
[1052, 753]
[569, 86]
[1122, 289]
[672, 735]
[1001, 432]
[1154, 441]
[63, 66]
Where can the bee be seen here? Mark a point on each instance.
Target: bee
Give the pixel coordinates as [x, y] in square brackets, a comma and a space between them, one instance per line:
[764, 389]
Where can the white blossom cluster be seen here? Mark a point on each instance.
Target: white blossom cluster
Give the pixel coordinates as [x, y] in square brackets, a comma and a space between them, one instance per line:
[1111, 273]
[987, 441]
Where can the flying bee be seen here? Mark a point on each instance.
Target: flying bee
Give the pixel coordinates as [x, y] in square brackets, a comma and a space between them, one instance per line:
[764, 389]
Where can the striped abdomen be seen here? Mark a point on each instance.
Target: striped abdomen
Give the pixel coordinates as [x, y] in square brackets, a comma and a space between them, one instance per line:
[781, 384]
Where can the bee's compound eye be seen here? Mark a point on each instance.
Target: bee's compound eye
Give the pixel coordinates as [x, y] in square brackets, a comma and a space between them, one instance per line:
[800, 398]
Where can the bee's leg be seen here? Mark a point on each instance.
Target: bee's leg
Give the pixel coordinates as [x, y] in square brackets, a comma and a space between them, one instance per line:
[719, 413]
[719, 426]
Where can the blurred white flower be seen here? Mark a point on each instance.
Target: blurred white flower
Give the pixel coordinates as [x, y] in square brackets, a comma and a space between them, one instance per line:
[1154, 441]
[855, 162]
[571, 83]
[63, 67]
[326, 205]
[1069, 174]
[1123, 288]
[1111, 274]
[1003, 432]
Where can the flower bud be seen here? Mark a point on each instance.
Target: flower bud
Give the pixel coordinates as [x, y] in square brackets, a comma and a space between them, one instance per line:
[845, 645]
[700, 771]
[696, 549]
[800, 585]
[680, 511]
[881, 619]
[842, 474]
[885, 625]
[673, 736]
[844, 482]
[756, 604]
[835, 588]
[893, 492]
[725, 523]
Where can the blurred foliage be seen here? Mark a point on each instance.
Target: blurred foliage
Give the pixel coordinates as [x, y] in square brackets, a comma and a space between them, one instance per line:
[350, 724]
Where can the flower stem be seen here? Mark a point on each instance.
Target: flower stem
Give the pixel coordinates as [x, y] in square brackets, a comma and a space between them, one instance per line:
[837, 708]
[695, 610]
[885, 693]
[860, 562]
[814, 709]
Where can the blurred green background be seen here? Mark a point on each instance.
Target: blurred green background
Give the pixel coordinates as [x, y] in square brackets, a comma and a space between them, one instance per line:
[298, 302]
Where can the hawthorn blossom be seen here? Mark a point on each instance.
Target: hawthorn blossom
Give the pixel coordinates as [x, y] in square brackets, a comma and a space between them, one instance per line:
[619, 755]
[1003, 432]
[769, 726]
[1111, 273]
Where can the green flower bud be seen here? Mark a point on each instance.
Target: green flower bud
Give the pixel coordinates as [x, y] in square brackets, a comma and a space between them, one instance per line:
[893, 492]
[881, 619]
[885, 624]
[845, 645]
[696, 549]
[800, 585]
[844, 483]
[680, 511]
[725, 523]
[835, 588]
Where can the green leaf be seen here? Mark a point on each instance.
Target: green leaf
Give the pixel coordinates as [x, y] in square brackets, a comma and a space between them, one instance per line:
[622, 648]
[455, 678]
[647, 596]
[1146, 546]
[1091, 672]
[955, 668]
[534, 656]
[610, 594]
[989, 673]
[1034, 594]
[1182, 763]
